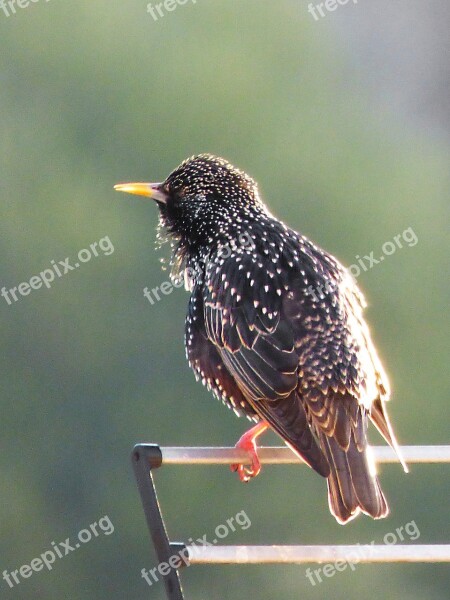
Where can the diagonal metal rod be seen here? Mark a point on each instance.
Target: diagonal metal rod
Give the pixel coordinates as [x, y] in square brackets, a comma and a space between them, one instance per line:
[284, 455]
[145, 458]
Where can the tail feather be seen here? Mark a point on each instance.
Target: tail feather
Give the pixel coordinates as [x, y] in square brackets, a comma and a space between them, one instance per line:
[380, 419]
[352, 484]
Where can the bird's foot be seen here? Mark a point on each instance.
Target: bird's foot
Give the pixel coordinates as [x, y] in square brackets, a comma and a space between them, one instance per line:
[248, 443]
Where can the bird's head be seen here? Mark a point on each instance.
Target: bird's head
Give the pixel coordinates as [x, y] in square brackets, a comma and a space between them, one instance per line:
[203, 201]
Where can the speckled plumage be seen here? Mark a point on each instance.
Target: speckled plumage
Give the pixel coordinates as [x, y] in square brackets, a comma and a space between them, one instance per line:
[266, 345]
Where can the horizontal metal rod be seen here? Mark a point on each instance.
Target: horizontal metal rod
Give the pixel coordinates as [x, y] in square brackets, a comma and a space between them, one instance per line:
[318, 554]
[284, 455]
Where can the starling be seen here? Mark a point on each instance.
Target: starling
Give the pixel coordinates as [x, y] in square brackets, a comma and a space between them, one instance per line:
[275, 329]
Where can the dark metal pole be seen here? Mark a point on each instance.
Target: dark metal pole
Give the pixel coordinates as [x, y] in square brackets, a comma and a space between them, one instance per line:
[145, 458]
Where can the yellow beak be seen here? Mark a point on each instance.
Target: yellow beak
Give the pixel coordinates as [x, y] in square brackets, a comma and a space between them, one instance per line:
[150, 190]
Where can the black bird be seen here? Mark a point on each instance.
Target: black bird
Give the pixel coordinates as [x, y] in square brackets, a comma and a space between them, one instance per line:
[275, 329]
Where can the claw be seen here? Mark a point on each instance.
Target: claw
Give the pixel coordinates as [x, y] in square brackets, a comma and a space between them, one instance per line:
[248, 443]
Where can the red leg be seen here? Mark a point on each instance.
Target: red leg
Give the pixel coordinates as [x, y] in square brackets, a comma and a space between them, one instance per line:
[248, 443]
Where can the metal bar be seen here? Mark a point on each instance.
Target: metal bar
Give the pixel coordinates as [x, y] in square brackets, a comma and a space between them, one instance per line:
[284, 455]
[318, 554]
[146, 457]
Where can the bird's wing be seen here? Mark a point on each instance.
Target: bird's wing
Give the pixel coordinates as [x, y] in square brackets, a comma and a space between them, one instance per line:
[342, 384]
[206, 362]
[342, 379]
[244, 319]
[377, 411]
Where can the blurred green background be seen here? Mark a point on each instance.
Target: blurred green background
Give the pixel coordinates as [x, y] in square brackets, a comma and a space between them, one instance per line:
[344, 127]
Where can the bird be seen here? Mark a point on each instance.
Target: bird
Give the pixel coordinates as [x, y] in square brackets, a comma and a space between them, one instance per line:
[275, 329]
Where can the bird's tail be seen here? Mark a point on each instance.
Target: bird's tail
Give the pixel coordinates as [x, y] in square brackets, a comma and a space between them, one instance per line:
[352, 484]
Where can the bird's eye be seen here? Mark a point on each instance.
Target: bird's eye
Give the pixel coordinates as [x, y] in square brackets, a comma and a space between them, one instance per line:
[177, 184]
[209, 178]
[178, 187]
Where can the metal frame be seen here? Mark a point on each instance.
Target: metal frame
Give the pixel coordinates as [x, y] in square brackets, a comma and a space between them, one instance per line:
[148, 457]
